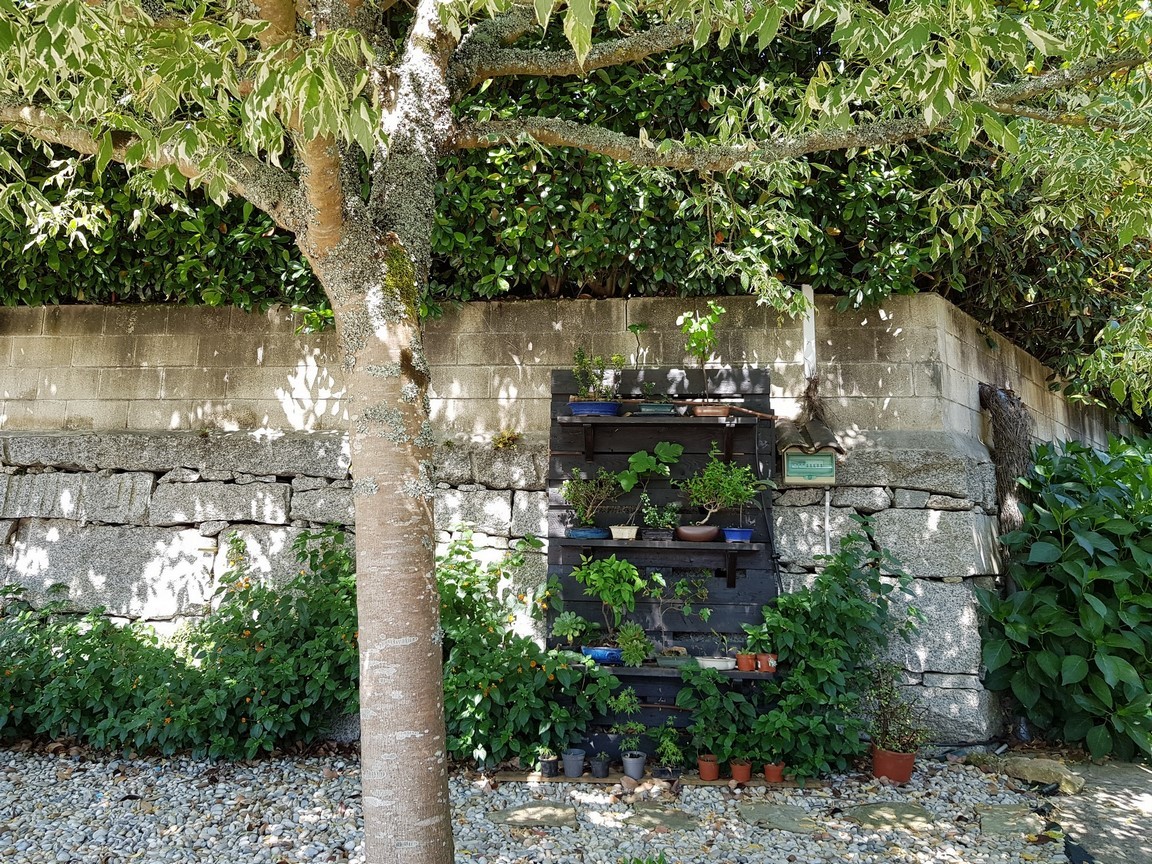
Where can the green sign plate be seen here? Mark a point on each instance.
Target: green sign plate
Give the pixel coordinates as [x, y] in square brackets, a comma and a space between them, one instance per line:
[810, 469]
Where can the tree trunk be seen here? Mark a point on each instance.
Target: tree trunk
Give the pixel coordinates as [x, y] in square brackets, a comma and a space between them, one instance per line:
[372, 285]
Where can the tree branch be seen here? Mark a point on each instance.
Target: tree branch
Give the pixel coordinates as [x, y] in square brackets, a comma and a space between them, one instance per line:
[271, 189]
[615, 52]
[673, 154]
[1056, 118]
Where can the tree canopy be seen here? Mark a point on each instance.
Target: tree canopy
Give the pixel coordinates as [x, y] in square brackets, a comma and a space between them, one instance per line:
[335, 118]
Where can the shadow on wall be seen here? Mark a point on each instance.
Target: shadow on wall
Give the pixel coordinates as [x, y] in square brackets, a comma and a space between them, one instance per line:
[145, 573]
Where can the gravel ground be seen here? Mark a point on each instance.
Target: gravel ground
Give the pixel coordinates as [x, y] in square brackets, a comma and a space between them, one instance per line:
[81, 810]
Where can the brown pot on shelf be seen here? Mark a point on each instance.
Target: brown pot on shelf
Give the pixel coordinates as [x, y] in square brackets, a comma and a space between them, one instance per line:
[897, 767]
[708, 766]
[746, 662]
[766, 663]
[697, 533]
[774, 772]
[741, 770]
[710, 409]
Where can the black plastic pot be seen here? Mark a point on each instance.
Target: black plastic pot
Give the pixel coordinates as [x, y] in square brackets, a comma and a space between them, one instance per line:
[600, 766]
[549, 766]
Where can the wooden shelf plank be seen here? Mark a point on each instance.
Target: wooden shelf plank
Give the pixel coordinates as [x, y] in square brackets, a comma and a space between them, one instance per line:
[682, 545]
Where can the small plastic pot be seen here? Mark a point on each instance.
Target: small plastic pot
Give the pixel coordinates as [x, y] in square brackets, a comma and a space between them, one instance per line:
[599, 766]
[746, 662]
[897, 767]
[549, 767]
[573, 762]
[766, 663]
[634, 764]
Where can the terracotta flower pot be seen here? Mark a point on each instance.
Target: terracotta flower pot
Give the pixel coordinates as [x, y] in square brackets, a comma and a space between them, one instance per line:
[766, 663]
[741, 770]
[746, 662]
[774, 772]
[708, 766]
[897, 767]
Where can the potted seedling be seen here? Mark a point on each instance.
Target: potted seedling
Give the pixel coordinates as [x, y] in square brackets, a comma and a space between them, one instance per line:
[720, 661]
[660, 521]
[587, 496]
[600, 764]
[776, 730]
[549, 764]
[573, 628]
[597, 383]
[700, 340]
[719, 485]
[669, 756]
[642, 468]
[895, 725]
[719, 717]
[626, 703]
[760, 644]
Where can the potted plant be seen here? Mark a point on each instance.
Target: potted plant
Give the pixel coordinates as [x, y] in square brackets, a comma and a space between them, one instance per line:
[587, 496]
[700, 339]
[674, 657]
[760, 645]
[634, 644]
[653, 402]
[776, 730]
[573, 759]
[573, 628]
[659, 521]
[717, 486]
[720, 661]
[642, 467]
[617, 583]
[549, 765]
[745, 659]
[627, 704]
[895, 725]
[599, 764]
[719, 717]
[669, 756]
[708, 765]
[596, 391]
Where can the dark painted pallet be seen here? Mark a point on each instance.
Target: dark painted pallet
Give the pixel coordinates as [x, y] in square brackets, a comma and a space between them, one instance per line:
[741, 578]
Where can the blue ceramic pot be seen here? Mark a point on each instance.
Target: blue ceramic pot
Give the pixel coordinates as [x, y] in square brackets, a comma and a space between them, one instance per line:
[604, 656]
[604, 409]
[588, 533]
[737, 535]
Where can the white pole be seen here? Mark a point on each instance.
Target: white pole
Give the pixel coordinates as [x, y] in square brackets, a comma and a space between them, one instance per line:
[809, 333]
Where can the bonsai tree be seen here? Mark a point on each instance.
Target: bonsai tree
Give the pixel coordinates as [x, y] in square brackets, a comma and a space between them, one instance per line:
[593, 382]
[616, 582]
[587, 496]
[720, 485]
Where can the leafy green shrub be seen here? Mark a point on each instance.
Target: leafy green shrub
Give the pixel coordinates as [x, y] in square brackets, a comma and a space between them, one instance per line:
[504, 695]
[722, 718]
[268, 666]
[1073, 641]
[827, 636]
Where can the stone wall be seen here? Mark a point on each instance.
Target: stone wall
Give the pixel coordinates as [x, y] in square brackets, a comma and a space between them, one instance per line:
[135, 439]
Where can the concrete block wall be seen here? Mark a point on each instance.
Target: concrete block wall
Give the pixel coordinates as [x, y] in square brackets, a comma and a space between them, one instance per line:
[913, 364]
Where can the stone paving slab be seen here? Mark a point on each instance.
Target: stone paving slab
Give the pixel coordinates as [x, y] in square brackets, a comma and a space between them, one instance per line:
[779, 817]
[1008, 819]
[648, 814]
[889, 815]
[537, 814]
[1112, 815]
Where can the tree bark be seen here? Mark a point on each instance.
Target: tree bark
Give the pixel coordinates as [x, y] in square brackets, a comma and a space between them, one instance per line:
[373, 287]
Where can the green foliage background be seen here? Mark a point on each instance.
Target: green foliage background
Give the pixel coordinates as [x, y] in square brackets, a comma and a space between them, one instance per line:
[515, 221]
[1073, 641]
